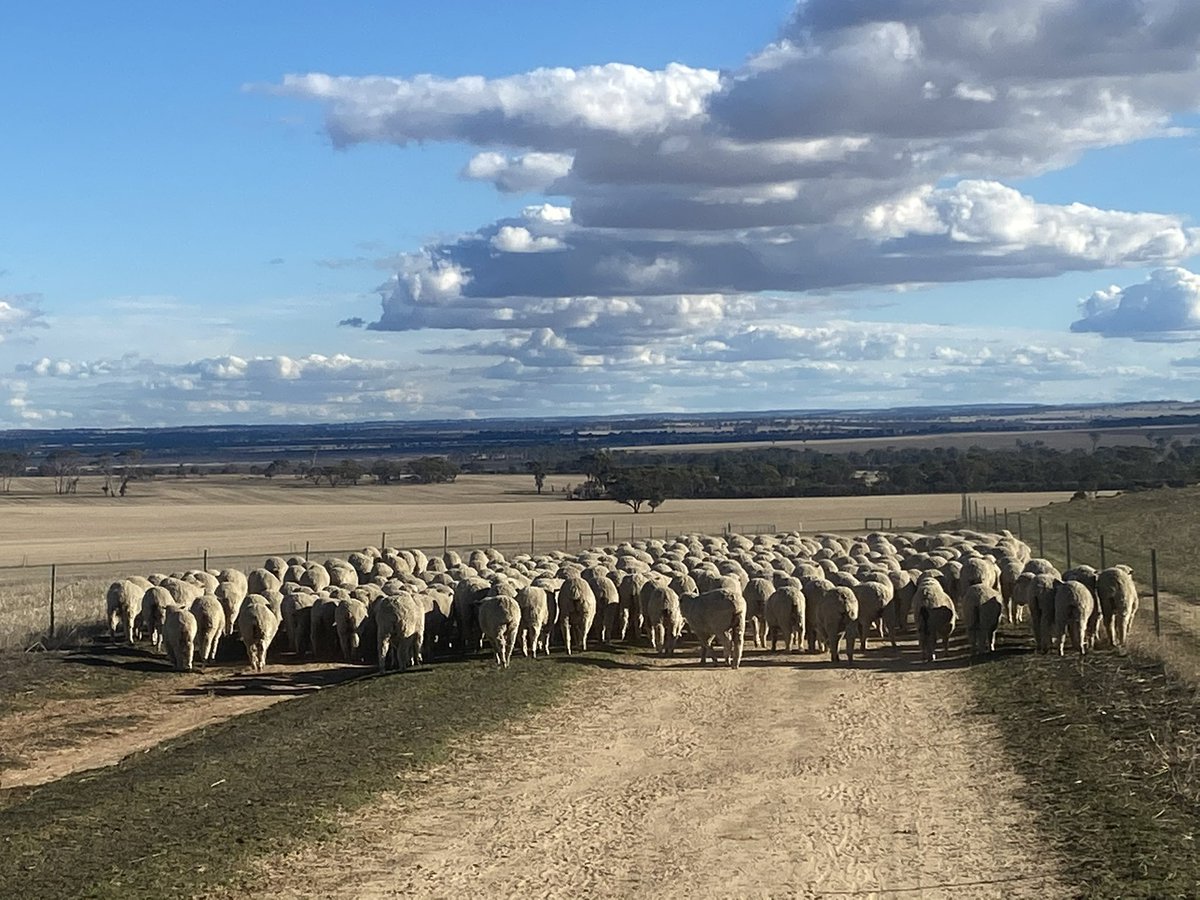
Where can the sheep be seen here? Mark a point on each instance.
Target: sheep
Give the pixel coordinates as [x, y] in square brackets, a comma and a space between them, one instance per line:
[576, 610]
[122, 604]
[297, 619]
[322, 626]
[467, 594]
[784, 612]
[348, 619]
[257, 624]
[499, 619]
[179, 638]
[155, 603]
[1073, 607]
[210, 625]
[983, 607]
[630, 591]
[231, 595]
[935, 617]
[608, 603]
[182, 592]
[719, 613]
[814, 590]
[259, 581]
[874, 607]
[1118, 602]
[836, 615]
[662, 616]
[1042, 609]
[535, 613]
[400, 625]
[756, 592]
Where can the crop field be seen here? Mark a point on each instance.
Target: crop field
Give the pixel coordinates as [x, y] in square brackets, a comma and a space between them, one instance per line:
[1011, 775]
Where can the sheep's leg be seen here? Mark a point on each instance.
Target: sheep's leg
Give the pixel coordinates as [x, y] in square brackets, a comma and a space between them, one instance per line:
[739, 642]
[566, 630]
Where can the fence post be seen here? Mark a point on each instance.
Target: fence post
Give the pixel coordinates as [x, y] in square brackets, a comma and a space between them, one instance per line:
[1041, 540]
[445, 539]
[1067, 532]
[566, 534]
[1020, 530]
[306, 551]
[204, 565]
[975, 521]
[382, 540]
[53, 586]
[1006, 518]
[531, 537]
[1154, 588]
[1102, 566]
[491, 534]
[995, 519]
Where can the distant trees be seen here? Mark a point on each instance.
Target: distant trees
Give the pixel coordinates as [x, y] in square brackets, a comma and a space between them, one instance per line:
[12, 465]
[642, 486]
[433, 470]
[64, 467]
[278, 467]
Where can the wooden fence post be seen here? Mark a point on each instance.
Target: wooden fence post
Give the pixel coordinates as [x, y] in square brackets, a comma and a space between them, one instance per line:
[531, 521]
[1102, 566]
[53, 586]
[1067, 532]
[566, 534]
[1006, 518]
[491, 534]
[382, 540]
[1020, 529]
[306, 551]
[1041, 540]
[445, 539]
[204, 564]
[1154, 588]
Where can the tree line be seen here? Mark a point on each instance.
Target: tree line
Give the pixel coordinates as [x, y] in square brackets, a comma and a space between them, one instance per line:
[647, 480]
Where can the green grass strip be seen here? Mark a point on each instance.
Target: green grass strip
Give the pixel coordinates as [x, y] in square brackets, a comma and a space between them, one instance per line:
[1108, 749]
[193, 812]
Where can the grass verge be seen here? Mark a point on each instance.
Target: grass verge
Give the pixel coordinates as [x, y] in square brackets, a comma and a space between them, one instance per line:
[1108, 747]
[193, 812]
[29, 679]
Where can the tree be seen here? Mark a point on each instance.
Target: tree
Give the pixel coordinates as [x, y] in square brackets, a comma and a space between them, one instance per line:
[12, 465]
[130, 468]
[278, 467]
[433, 470]
[62, 466]
[347, 470]
[638, 487]
[538, 469]
[385, 471]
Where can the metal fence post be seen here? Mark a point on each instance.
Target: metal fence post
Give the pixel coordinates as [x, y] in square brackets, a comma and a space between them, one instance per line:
[1102, 566]
[1041, 540]
[1067, 532]
[53, 586]
[1154, 588]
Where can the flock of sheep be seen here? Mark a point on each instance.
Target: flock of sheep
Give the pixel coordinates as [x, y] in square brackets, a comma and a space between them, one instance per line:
[397, 608]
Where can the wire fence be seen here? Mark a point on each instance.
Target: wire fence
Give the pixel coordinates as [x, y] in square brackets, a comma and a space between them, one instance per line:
[1167, 576]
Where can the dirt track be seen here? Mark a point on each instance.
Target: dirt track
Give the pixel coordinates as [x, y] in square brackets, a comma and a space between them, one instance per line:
[670, 781]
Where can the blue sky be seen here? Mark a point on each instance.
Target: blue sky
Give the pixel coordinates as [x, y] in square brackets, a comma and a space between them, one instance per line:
[770, 205]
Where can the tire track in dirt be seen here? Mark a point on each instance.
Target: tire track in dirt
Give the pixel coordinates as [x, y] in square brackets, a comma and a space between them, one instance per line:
[669, 780]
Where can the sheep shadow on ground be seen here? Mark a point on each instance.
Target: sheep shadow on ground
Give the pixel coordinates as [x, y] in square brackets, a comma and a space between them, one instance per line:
[283, 684]
[118, 656]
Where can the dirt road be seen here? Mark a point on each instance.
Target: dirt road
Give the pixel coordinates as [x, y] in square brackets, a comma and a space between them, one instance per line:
[671, 781]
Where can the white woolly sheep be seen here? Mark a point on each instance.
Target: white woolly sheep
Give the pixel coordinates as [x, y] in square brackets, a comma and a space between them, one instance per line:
[535, 614]
[259, 581]
[499, 619]
[1118, 596]
[784, 611]
[836, 613]
[719, 613]
[874, 608]
[983, 607]
[400, 625]
[122, 604]
[231, 595]
[155, 603]
[576, 611]
[755, 593]
[296, 610]
[1042, 609]
[935, 617]
[210, 625]
[1073, 607]
[349, 616]
[179, 638]
[257, 624]
[662, 616]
